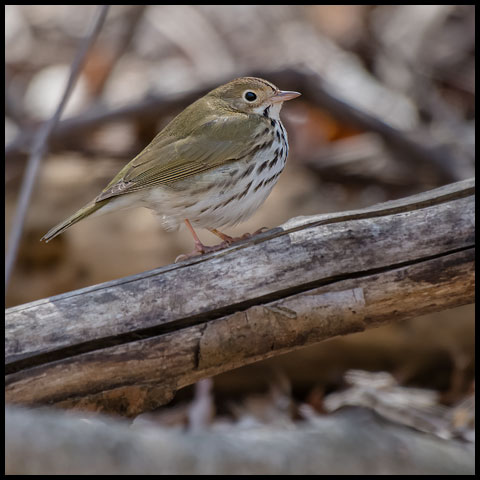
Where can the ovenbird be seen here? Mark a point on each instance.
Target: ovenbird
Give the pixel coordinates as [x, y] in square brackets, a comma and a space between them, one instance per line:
[212, 166]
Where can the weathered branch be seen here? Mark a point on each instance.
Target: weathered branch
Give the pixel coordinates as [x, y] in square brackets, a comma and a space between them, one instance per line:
[129, 344]
[314, 90]
[352, 442]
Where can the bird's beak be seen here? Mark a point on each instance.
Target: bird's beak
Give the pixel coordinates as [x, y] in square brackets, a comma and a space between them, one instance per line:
[283, 96]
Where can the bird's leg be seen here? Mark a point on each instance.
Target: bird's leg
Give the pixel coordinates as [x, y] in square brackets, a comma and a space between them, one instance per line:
[199, 246]
[227, 239]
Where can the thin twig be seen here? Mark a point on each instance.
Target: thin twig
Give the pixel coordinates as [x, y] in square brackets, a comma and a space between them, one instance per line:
[40, 143]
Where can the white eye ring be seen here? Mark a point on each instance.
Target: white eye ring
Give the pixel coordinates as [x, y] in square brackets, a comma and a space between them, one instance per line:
[250, 96]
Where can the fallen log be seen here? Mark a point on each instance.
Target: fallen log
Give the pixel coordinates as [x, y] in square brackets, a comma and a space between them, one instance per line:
[126, 346]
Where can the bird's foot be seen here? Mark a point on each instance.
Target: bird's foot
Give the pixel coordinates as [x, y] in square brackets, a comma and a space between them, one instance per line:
[200, 249]
[227, 240]
[249, 235]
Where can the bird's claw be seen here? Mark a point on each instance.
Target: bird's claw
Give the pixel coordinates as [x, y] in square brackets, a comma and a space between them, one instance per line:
[200, 248]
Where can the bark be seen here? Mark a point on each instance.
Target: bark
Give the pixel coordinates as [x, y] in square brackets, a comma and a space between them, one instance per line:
[126, 346]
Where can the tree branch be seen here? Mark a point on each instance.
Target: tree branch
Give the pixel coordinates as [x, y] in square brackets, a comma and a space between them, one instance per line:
[128, 345]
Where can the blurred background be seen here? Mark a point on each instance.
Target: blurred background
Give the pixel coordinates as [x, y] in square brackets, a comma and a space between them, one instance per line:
[387, 111]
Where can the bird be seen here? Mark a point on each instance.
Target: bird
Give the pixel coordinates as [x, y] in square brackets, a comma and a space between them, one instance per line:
[211, 167]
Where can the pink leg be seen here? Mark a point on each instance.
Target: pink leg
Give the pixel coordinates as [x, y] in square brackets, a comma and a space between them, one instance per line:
[226, 238]
[199, 246]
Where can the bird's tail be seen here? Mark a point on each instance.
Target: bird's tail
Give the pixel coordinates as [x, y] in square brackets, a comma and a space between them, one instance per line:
[76, 217]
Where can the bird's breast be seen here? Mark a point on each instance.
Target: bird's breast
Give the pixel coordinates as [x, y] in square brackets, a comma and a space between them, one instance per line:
[229, 194]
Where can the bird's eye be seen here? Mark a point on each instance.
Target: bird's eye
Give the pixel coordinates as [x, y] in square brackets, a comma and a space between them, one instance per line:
[250, 97]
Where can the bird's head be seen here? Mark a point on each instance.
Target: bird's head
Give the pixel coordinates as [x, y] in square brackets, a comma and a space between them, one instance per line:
[252, 95]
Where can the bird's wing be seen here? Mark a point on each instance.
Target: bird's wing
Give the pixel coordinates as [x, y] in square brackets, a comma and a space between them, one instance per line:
[167, 160]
